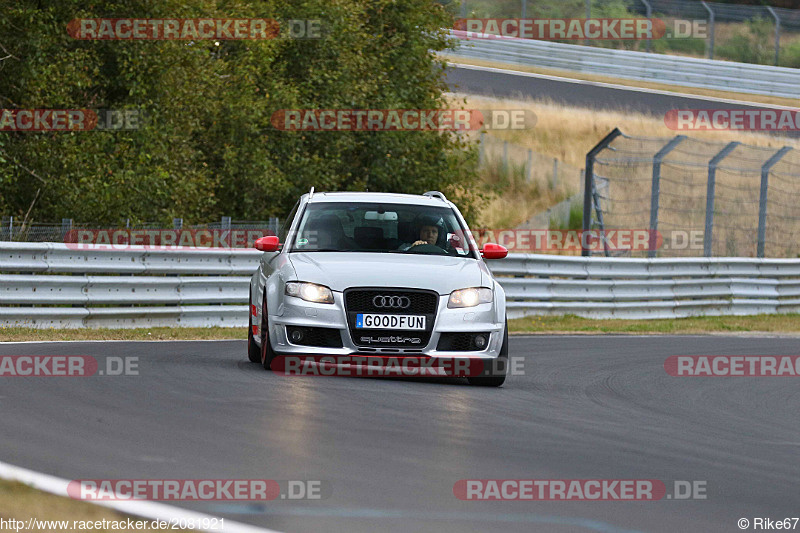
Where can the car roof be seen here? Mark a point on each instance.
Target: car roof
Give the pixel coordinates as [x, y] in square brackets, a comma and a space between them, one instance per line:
[386, 197]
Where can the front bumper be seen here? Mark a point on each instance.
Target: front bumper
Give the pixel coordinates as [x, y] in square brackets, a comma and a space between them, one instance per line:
[297, 312]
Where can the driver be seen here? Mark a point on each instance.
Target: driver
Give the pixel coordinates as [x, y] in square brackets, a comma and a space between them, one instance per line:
[429, 229]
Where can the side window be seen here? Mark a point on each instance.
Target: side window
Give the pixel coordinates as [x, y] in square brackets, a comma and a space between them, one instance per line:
[284, 231]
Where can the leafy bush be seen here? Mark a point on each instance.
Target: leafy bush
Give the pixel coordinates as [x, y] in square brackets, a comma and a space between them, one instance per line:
[208, 147]
[751, 46]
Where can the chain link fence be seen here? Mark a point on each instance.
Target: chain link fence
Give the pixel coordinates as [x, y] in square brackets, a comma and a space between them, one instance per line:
[19, 230]
[744, 33]
[702, 198]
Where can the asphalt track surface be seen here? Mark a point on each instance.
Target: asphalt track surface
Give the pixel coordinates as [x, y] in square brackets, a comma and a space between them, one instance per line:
[390, 450]
[581, 94]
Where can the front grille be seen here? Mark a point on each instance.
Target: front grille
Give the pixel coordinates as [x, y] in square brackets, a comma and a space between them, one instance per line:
[460, 342]
[319, 337]
[421, 302]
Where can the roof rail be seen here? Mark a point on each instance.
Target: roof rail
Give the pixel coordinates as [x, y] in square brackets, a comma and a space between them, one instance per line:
[435, 194]
[311, 193]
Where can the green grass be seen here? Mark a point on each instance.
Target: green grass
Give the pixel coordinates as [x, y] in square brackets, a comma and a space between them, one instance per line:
[140, 334]
[789, 323]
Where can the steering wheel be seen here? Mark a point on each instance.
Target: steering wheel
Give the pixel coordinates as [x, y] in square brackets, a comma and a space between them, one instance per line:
[428, 249]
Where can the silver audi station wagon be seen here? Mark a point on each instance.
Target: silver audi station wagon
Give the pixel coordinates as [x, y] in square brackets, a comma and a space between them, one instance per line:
[376, 275]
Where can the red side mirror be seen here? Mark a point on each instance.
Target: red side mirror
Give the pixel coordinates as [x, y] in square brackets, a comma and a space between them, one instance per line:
[267, 244]
[493, 251]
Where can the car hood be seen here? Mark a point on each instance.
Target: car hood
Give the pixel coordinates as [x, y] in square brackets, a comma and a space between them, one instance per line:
[340, 271]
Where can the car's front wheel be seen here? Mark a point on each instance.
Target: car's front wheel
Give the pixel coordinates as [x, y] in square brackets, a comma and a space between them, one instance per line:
[495, 376]
[267, 353]
[253, 351]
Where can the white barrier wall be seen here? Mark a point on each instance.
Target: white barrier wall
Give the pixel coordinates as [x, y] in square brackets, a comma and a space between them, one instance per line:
[52, 285]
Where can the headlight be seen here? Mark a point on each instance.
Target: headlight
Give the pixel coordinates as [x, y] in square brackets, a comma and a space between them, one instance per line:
[310, 292]
[470, 297]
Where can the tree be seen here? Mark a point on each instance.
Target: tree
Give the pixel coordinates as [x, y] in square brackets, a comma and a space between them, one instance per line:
[207, 147]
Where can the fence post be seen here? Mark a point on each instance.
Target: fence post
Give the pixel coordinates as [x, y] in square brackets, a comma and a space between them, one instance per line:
[555, 173]
[762, 203]
[66, 227]
[777, 33]
[529, 177]
[463, 8]
[655, 191]
[225, 223]
[711, 28]
[482, 148]
[599, 211]
[588, 16]
[505, 157]
[524, 9]
[649, 15]
[177, 223]
[588, 183]
[712, 176]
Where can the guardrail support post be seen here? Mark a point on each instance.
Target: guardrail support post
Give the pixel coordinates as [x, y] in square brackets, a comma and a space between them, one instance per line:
[711, 29]
[762, 203]
[588, 184]
[712, 176]
[655, 191]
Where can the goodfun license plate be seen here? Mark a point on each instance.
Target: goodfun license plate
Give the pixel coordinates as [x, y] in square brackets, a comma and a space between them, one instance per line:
[401, 322]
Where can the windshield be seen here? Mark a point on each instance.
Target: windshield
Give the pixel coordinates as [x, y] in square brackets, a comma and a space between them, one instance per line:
[381, 228]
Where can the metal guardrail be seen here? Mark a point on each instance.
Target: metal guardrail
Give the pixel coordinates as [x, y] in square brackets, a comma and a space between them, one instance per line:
[199, 288]
[142, 287]
[599, 287]
[639, 66]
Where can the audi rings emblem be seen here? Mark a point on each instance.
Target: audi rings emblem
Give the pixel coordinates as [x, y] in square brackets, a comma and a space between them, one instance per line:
[395, 302]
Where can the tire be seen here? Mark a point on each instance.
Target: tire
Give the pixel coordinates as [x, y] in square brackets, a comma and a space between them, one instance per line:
[497, 376]
[253, 351]
[267, 353]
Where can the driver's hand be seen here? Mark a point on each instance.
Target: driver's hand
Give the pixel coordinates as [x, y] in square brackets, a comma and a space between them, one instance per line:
[419, 243]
